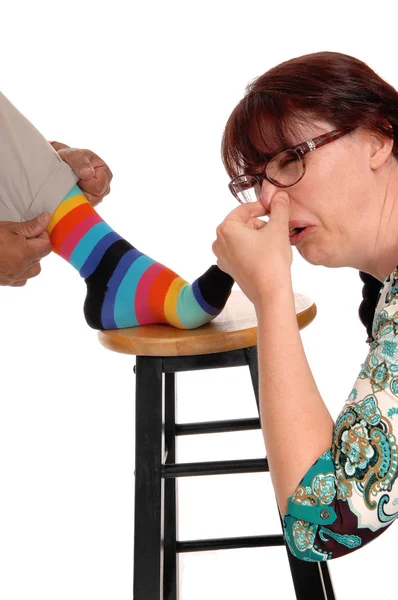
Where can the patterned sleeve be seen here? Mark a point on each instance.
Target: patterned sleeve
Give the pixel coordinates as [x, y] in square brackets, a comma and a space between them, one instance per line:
[349, 496]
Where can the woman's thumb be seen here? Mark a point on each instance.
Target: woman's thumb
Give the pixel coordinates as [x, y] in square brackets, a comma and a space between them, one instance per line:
[280, 208]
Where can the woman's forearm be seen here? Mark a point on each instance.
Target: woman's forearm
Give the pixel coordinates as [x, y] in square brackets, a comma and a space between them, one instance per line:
[296, 424]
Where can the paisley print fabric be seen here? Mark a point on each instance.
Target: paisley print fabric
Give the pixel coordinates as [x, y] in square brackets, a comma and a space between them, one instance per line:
[350, 494]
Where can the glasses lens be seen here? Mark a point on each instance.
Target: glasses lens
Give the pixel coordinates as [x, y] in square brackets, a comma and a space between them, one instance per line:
[245, 188]
[285, 168]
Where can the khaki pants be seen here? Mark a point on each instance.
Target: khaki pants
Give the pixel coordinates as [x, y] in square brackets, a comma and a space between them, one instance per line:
[33, 178]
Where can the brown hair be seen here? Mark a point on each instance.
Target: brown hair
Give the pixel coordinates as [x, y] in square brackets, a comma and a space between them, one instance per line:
[327, 86]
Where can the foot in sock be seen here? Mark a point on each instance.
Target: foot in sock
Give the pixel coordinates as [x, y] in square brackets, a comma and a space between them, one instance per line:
[126, 288]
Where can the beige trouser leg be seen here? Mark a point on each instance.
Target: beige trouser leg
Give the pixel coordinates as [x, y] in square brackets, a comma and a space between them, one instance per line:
[33, 178]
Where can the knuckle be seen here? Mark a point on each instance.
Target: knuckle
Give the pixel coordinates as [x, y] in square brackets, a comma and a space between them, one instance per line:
[34, 271]
[45, 250]
[19, 283]
[222, 230]
[65, 154]
[15, 270]
[70, 156]
[27, 228]
[100, 187]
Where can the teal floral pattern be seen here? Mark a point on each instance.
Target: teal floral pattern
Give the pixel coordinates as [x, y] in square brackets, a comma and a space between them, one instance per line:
[304, 535]
[347, 497]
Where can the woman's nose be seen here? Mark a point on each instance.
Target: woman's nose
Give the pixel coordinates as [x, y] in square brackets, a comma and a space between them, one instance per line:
[268, 189]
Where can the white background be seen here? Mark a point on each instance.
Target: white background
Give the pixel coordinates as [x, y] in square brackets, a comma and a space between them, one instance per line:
[149, 87]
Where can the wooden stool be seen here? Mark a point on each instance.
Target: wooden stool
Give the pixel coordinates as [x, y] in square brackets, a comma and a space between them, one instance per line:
[228, 341]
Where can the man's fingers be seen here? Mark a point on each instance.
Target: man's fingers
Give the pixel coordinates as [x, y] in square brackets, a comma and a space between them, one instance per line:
[83, 168]
[79, 161]
[93, 173]
[97, 184]
[38, 248]
[100, 165]
[19, 283]
[33, 271]
[43, 236]
[34, 227]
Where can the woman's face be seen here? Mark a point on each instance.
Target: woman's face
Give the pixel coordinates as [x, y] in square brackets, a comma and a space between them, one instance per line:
[338, 202]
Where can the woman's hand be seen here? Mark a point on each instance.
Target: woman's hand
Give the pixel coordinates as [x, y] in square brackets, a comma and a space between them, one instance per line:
[255, 253]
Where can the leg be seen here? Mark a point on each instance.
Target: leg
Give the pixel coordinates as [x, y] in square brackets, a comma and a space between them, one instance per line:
[310, 580]
[148, 559]
[170, 494]
[33, 178]
[125, 288]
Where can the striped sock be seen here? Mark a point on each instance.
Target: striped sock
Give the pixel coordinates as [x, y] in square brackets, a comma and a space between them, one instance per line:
[126, 288]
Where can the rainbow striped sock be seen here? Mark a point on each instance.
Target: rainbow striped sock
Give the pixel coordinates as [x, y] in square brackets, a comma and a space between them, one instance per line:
[126, 288]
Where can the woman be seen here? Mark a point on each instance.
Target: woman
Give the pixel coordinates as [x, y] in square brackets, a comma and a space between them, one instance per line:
[333, 195]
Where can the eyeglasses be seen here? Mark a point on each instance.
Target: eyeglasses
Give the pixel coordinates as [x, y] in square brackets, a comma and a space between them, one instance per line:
[283, 170]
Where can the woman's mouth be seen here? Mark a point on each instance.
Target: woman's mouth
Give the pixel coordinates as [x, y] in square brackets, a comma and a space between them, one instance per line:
[296, 234]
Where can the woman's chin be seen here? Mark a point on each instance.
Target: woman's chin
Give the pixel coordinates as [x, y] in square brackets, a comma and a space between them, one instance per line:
[315, 255]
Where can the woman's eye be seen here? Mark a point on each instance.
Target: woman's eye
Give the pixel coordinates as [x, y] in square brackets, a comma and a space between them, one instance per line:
[288, 161]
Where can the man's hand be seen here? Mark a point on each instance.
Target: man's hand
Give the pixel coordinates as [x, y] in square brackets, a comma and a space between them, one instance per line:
[94, 175]
[22, 246]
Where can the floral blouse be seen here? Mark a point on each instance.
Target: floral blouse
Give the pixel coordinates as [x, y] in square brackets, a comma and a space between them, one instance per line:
[350, 496]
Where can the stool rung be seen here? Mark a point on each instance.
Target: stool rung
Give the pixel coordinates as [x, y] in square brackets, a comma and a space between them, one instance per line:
[222, 467]
[199, 362]
[217, 426]
[230, 543]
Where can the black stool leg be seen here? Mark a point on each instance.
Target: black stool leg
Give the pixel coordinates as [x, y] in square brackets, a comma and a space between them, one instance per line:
[170, 582]
[310, 579]
[148, 559]
[327, 581]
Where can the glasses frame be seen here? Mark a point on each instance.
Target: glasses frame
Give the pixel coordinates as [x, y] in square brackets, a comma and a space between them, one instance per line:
[301, 150]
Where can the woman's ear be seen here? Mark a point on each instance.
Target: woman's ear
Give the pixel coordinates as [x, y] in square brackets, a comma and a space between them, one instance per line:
[380, 148]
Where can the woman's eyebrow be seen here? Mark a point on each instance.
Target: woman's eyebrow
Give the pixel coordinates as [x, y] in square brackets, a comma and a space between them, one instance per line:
[257, 170]
[265, 160]
[262, 158]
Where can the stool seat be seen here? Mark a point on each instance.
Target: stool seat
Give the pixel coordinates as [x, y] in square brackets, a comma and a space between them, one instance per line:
[233, 329]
